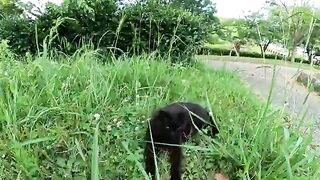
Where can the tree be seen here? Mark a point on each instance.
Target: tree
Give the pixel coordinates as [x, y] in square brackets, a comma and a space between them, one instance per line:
[295, 22]
[312, 43]
[204, 7]
[235, 30]
[262, 31]
[228, 29]
[15, 26]
[194, 6]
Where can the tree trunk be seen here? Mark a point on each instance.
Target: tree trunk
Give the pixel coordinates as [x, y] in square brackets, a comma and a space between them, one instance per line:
[309, 53]
[292, 54]
[236, 47]
[261, 50]
[264, 48]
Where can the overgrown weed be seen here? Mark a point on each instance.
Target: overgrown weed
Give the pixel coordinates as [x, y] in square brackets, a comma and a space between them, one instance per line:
[49, 110]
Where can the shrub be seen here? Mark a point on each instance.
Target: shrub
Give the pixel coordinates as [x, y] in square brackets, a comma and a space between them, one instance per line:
[214, 39]
[142, 27]
[86, 21]
[165, 29]
[5, 53]
[18, 30]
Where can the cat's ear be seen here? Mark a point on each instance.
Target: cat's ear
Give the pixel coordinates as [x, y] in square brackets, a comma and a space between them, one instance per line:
[159, 118]
[162, 115]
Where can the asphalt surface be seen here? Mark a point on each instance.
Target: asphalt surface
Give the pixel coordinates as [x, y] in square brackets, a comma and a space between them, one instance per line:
[287, 93]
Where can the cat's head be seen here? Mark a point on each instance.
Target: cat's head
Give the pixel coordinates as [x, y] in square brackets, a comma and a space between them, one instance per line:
[169, 124]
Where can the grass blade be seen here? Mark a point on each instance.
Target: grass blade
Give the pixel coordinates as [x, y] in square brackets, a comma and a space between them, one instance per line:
[95, 155]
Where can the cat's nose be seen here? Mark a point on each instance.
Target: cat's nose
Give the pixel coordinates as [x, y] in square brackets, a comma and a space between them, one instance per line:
[172, 134]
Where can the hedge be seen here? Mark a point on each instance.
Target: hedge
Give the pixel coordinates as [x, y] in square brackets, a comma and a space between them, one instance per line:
[226, 52]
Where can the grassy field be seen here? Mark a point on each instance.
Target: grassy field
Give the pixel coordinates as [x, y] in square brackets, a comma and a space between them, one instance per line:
[248, 48]
[260, 61]
[77, 118]
[228, 45]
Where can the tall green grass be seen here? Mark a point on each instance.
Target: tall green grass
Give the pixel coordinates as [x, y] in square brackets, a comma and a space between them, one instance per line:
[79, 118]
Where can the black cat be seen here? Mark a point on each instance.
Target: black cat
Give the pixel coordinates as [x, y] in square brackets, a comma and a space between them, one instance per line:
[174, 124]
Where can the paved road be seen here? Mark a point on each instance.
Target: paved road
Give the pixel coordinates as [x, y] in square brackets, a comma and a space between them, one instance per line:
[286, 93]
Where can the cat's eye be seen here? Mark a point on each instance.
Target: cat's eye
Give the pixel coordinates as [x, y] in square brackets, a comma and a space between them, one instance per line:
[174, 128]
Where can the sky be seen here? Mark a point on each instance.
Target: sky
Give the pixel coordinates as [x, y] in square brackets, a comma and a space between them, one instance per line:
[225, 8]
[239, 8]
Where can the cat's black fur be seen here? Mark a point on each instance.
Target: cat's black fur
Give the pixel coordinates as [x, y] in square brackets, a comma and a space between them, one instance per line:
[172, 124]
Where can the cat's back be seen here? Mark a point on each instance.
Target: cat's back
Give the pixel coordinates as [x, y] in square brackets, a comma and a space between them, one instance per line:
[178, 107]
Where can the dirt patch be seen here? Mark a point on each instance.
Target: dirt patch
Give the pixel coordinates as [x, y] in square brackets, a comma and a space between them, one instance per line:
[264, 66]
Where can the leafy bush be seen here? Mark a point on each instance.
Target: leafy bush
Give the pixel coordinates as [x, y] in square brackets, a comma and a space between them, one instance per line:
[142, 27]
[84, 21]
[5, 52]
[18, 30]
[165, 29]
[214, 39]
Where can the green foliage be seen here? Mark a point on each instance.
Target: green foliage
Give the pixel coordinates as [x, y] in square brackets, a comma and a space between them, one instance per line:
[86, 21]
[16, 27]
[312, 43]
[5, 53]
[214, 39]
[295, 23]
[262, 31]
[165, 29]
[234, 29]
[9, 8]
[198, 7]
[76, 118]
[205, 7]
[18, 30]
[314, 40]
[151, 26]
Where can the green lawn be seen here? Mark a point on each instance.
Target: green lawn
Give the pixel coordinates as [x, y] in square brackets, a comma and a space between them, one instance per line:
[260, 61]
[228, 45]
[75, 118]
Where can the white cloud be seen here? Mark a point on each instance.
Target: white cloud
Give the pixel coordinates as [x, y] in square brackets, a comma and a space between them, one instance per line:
[238, 8]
